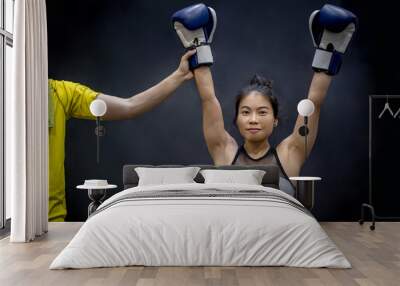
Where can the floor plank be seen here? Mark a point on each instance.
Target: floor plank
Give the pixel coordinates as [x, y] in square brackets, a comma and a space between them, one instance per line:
[374, 255]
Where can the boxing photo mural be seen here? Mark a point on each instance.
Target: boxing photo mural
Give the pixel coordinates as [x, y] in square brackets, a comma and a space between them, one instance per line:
[216, 134]
[199, 143]
[196, 191]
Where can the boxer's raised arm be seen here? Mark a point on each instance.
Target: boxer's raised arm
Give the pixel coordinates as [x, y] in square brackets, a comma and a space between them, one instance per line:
[331, 29]
[221, 145]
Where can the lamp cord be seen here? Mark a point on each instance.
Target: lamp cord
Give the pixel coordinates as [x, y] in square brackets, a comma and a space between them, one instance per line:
[305, 136]
[98, 139]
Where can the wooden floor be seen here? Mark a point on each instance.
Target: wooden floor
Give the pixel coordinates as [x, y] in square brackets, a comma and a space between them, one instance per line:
[374, 255]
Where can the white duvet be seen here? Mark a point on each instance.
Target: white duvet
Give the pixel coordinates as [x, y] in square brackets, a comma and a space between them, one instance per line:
[182, 231]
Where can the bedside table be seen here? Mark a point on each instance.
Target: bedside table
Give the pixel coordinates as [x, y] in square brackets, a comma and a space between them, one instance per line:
[305, 187]
[96, 195]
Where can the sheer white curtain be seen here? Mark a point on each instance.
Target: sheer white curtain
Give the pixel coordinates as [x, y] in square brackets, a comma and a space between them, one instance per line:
[26, 123]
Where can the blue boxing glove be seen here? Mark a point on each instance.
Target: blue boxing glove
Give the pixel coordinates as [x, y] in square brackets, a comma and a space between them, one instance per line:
[195, 26]
[331, 30]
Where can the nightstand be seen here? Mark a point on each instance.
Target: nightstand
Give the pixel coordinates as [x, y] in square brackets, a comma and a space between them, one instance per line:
[96, 194]
[305, 187]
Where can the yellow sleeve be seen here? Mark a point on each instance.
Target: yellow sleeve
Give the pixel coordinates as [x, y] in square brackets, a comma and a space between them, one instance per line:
[75, 98]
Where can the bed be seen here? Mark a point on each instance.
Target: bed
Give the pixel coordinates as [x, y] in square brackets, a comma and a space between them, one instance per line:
[201, 224]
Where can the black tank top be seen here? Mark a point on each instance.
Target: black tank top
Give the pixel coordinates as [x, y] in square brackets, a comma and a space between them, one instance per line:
[270, 158]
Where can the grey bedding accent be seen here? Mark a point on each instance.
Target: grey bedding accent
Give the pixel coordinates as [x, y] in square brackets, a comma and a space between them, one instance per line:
[270, 179]
[244, 193]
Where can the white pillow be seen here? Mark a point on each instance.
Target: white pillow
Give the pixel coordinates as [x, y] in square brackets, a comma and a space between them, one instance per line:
[248, 177]
[163, 176]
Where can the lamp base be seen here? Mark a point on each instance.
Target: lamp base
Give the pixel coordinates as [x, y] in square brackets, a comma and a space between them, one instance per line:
[305, 193]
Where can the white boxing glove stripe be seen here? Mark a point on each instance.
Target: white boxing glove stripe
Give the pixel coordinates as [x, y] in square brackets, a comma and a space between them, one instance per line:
[214, 16]
[322, 59]
[204, 54]
[310, 21]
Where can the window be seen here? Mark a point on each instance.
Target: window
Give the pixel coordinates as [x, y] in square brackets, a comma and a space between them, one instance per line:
[6, 62]
[9, 13]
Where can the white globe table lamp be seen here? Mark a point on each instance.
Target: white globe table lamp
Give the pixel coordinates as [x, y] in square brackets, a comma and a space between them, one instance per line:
[305, 108]
[98, 108]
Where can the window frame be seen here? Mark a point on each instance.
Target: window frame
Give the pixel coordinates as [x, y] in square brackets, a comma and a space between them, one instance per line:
[6, 39]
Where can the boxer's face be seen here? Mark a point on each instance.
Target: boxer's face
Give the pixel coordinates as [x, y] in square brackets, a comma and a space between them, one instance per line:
[255, 119]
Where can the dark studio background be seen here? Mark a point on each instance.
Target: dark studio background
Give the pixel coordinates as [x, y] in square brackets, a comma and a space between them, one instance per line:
[124, 47]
